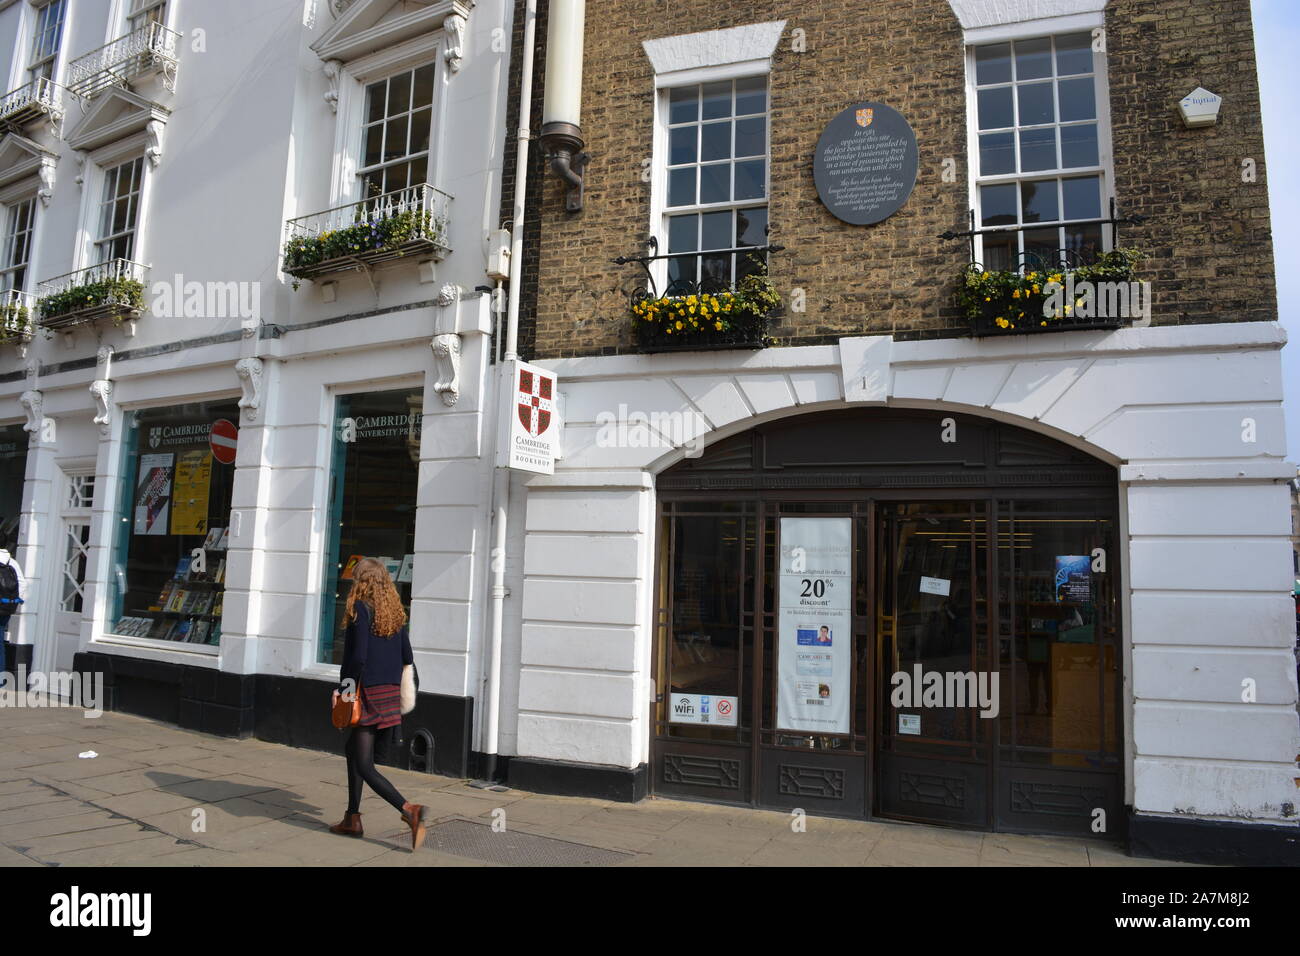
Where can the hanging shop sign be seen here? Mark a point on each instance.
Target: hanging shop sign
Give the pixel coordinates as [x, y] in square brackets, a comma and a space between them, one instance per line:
[530, 423]
[191, 493]
[703, 709]
[814, 649]
[865, 164]
[153, 491]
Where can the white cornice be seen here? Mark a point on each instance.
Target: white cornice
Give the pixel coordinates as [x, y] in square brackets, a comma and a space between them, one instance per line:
[987, 13]
[95, 130]
[20, 158]
[692, 51]
[360, 29]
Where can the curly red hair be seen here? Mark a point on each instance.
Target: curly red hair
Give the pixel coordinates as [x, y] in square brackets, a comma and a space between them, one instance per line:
[371, 583]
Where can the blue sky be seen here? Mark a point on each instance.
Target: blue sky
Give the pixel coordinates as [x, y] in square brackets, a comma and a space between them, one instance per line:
[1277, 54]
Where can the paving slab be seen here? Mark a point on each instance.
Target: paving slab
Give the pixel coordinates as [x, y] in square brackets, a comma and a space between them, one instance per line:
[265, 804]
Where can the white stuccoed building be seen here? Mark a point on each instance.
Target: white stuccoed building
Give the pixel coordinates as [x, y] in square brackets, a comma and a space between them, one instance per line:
[162, 164]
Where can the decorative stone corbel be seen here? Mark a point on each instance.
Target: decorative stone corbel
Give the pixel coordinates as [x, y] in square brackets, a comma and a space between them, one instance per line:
[34, 402]
[446, 345]
[154, 134]
[333, 70]
[251, 372]
[453, 29]
[101, 390]
[80, 155]
[46, 174]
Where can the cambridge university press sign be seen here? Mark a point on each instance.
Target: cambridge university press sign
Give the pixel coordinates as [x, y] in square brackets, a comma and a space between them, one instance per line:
[531, 426]
[866, 162]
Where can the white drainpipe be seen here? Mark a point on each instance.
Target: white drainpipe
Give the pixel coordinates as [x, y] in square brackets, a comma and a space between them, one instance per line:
[501, 476]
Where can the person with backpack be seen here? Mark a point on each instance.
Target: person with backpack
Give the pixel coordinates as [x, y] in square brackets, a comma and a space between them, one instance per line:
[12, 588]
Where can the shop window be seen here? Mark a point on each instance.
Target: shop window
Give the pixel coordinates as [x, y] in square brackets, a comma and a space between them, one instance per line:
[169, 567]
[13, 473]
[374, 474]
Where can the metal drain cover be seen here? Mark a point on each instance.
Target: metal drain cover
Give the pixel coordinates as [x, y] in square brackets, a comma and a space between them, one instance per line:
[478, 841]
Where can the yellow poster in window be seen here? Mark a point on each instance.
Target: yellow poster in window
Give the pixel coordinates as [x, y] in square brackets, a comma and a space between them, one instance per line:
[190, 492]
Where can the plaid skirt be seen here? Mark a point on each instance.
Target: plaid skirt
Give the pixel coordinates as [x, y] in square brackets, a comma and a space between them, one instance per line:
[381, 705]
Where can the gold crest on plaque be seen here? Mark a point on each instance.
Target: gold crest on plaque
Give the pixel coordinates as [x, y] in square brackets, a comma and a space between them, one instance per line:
[864, 117]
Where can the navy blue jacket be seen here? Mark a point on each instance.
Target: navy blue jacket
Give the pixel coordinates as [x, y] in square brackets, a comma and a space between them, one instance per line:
[370, 659]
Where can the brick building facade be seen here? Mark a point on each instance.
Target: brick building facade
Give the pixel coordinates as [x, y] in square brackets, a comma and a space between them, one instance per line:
[1148, 454]
[1205, 233]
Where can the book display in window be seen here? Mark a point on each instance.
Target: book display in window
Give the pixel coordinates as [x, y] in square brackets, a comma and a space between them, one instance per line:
[176, 493]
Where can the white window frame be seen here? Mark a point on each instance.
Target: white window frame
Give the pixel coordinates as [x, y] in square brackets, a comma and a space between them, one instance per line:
[660, 211]
[119, 18]
[100, 241]
[96, 169]
[8, 206]
[362, 169]
[353, 78]
[72, 515]
[1105, 168]
[55, 60]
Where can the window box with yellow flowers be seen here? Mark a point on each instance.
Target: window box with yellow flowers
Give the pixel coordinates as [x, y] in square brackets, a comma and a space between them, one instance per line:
[1028, 300]
[702, 320]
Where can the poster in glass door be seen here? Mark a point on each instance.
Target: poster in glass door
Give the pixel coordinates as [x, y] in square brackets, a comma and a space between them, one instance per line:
[814, 652]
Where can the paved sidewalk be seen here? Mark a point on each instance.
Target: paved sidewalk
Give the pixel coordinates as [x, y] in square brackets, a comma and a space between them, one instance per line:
[262, 804]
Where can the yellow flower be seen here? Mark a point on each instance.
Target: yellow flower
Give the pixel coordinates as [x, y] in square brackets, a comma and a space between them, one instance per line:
[679, 323]
[1015, 294]
[718, 326]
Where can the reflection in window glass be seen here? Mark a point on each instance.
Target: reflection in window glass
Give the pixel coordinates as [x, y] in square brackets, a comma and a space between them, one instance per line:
[373, 480]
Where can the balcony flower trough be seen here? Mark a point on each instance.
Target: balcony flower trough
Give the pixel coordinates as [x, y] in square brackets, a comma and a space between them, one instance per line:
[407, 222]
[15, 317]
[1048, 296]
[110, 290]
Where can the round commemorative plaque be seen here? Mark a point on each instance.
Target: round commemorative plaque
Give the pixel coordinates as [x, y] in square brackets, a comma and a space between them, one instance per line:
[865, 164]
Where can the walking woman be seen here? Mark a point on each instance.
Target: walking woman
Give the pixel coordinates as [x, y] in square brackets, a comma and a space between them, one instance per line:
[377, 646]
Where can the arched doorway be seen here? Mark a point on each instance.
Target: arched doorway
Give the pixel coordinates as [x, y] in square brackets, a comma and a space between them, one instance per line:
[892, 613]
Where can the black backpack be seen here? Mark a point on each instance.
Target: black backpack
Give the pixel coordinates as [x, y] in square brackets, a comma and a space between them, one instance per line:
[8, 589]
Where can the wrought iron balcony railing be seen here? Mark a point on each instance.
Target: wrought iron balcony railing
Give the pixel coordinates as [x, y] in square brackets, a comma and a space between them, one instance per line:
[1043, 259]
[37, 98]
[17, 309]
[679, 318]
[1034, 290]
[359, 235]
[149, 49]
[112, 289]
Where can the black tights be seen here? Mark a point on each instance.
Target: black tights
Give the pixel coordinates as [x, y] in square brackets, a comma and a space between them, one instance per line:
[361, 768]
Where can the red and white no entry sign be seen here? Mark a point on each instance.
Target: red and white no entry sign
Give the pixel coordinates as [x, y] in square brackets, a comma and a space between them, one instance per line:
[223, 439]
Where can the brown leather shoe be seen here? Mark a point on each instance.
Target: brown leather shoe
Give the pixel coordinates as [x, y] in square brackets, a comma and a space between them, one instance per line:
[351, 826]
[413, 816]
